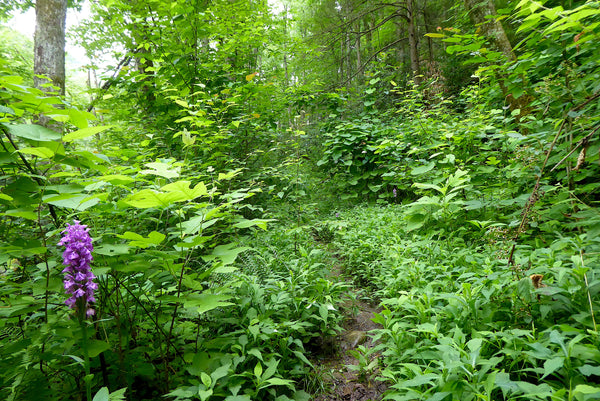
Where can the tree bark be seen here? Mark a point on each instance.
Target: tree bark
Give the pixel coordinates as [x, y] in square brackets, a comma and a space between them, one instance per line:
[413, 41]
[478, 11]
[49, 45]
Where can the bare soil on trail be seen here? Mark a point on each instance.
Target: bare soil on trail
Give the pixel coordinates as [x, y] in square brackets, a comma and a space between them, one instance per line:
[340, 381]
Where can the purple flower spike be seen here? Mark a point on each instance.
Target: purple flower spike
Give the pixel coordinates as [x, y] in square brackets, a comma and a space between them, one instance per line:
[78, 274]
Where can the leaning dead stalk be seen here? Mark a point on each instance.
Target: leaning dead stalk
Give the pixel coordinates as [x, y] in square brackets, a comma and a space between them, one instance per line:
[587, 287]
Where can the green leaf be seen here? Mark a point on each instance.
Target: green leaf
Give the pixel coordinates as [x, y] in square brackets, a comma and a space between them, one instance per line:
[552, 365]
[225, 253]
[206, 380]
[204, 394]
[261, 223]
[42, 152]
[32, 131]
[206, 302]
[24, 213]
[78, 202]
[276, 381]
[589, 370]
[582, 390]
[118, 395]
[229, 175]
[6, 110]
[184, 190]
[153, 239]
[258, 370]
[238, 398]
[112, 249]
[96, 347]
[116, 179]
[148, 198]
[423, 169]
[162, 169]
[102, 395]
[6, 197]
[84, 133]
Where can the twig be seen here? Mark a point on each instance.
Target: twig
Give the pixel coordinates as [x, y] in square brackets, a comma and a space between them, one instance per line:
[581, 142]
[533, 198]
[125, 61]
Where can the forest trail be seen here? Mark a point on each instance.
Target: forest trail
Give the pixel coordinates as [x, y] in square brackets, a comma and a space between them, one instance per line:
[347, 373]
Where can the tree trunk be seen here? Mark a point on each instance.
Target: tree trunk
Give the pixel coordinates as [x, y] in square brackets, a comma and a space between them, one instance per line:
[49, 44]
[413, 41]
[478, 11]
[358, 61]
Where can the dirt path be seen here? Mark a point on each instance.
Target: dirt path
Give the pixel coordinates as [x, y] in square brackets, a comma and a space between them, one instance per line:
[342, 382]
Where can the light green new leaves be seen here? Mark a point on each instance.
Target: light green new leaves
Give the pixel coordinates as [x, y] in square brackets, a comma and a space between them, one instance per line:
[179, 191]
[184, 189]
[84, 133]
[225, 253]
[165, 170]
[153, 239]
[41, 151]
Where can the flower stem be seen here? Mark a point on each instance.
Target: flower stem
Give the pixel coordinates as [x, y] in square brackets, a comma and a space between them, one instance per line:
[86, 355]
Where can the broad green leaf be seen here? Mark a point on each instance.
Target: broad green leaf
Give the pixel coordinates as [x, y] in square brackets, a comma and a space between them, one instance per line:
[583, 389]
[205, 394]
[276, 381]
[206, 379]
[418, 381]
[204, 302]
[116, 179]
[238, 398]
[423, 169]
[148, 198]
[6, 110]
[552, 365]
[96, 347]
[184, 191]
[118, 395]
[261, 223]
[84, 133]
[225, 253]
[101, 395]
[33, 132]
[258, 370]
[182, 103]
[42, 152]
[6, 197]
[162, 169]
[153, 239]
[112, 249]
[589, 370]
[78, 202]
[24, 213]
[229, 175]
[256, 352]
[80, 118]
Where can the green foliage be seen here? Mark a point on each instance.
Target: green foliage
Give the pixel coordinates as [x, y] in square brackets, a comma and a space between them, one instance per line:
[482, 248]
[455, 322]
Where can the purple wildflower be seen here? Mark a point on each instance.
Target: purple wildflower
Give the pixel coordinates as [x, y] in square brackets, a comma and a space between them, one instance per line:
[395, 192]
[77, 257]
